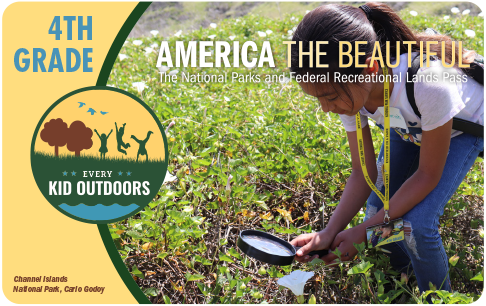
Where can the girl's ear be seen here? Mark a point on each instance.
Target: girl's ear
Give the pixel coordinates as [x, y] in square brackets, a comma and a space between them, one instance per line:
[374, 66]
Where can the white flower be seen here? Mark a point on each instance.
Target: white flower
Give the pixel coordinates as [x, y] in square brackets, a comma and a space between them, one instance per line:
[163, 69]
[307, 12]
[262, 34]
[228, 186]
[290, 32]
[269, 32]
[178, 33]
[126, 42]
[446, 17]
[149, 50]
[371, 123]
[480, 14]
[226, 99]
[213, 25]
[212, 36]
[154, 32]
[296, 281]
[137, 42]
[140, 86]
[466, 12]
[292, 18]
[470, 33]
[154, 45]
[455, 10]
[171, 124]
[413, 13]
[122, 56]
[169, 178]
[173, 72]
[232, 37]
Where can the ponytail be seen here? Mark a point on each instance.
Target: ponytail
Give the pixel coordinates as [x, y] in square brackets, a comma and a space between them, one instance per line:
[390, 27]
[371, 22]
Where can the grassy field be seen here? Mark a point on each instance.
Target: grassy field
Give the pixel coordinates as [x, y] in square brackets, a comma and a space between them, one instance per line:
[263, 155]
[170, 17]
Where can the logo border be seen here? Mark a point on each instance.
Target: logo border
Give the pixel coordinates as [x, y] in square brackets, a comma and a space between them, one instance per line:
[72, 93]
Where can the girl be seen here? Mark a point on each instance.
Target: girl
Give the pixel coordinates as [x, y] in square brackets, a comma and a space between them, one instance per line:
[428, 162]
[104, 140]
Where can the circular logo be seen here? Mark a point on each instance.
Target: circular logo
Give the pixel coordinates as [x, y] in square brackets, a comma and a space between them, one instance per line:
[99, 155]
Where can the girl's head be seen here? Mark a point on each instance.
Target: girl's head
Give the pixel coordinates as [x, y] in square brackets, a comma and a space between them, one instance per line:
[386, 230]
[334, 23]
[103, 136]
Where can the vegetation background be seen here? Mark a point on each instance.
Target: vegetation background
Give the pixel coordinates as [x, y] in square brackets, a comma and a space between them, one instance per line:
[263, 155]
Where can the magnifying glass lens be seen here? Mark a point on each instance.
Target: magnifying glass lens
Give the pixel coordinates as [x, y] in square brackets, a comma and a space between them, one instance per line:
[266, 245]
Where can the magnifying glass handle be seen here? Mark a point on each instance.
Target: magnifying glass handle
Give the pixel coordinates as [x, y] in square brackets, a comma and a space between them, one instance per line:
[312, 253]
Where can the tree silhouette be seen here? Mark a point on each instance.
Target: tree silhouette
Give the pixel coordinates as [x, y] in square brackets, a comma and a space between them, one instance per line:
[55, 133]
[79, 137]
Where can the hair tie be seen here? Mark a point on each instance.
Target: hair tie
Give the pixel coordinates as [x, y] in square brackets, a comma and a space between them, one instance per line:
[367, 10]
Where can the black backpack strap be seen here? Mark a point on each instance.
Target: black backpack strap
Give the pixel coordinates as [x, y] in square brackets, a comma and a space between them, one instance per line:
[457, 124]
[409, 85]
[468, 127]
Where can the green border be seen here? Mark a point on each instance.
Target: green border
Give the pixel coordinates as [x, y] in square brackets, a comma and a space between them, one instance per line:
[159, 125]
[119, 41]
[102, 80]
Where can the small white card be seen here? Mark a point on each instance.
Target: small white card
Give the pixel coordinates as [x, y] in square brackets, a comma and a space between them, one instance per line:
[396, 118]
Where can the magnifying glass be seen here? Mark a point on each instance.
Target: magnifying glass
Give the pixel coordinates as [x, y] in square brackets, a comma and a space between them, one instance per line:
[270, 249]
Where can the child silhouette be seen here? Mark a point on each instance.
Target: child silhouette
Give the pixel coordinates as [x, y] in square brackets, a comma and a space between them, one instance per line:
[141, 148]
[104, 141]
[119, 140]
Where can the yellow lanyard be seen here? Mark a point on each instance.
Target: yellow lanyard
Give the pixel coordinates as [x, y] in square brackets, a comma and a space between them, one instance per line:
[359, 133]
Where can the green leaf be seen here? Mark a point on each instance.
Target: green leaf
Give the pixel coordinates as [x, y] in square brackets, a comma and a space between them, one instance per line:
[166, 299]
[203, 288]
[193, 277]
[478, 277]
[362, 267]
[196, 178]
[137, 272]
[134, 234]
[312, 299]
[162, 255]
[225, 257]
[234, 253]
[204, 162]
[151, 291]
[453, 260]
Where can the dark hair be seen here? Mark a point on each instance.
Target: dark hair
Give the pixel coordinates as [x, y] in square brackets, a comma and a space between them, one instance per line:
[388, 225]
[336, 22]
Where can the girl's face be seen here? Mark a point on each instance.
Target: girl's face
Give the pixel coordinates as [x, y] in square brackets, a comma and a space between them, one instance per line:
[336, 100]
[386, 232]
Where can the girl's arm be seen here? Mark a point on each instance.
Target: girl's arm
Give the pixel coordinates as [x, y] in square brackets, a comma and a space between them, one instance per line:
[353, 198]
[433, 154]
[357, 190]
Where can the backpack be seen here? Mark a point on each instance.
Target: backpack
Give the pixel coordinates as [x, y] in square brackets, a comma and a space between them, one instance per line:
[476, 72]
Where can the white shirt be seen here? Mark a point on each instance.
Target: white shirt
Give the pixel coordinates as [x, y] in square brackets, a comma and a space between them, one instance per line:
[439, 99]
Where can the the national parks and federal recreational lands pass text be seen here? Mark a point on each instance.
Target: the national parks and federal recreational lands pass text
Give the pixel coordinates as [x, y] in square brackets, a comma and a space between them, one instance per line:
[52, 279]
[284, 77]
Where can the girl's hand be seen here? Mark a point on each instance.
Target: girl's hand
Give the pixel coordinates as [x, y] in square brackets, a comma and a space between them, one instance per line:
[311, 242]
[344, 243]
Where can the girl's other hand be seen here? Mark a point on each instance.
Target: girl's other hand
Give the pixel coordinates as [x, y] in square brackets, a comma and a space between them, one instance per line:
[344, 243]
[311, 242]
